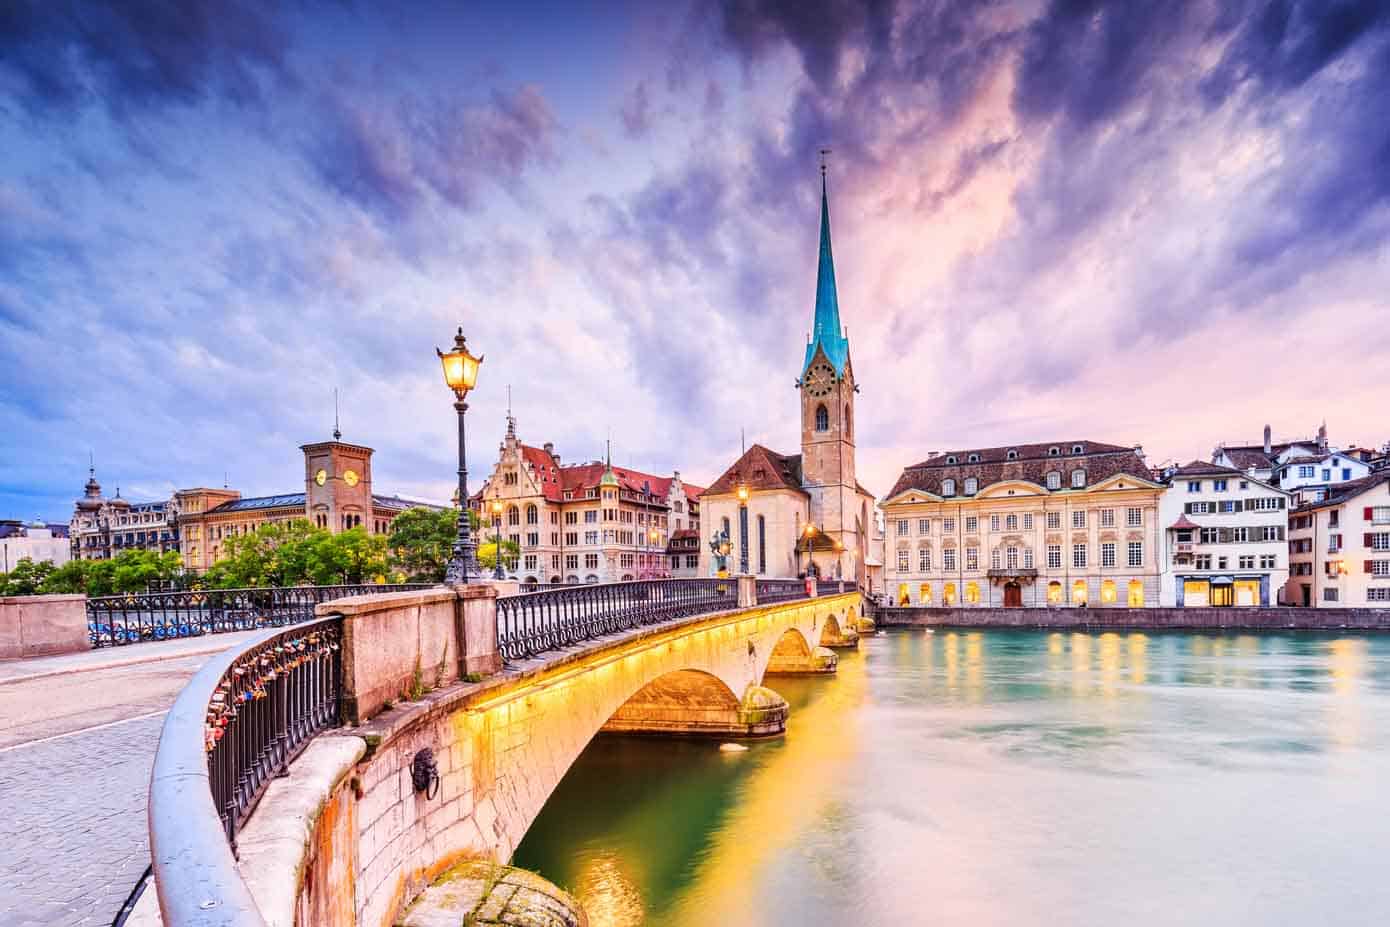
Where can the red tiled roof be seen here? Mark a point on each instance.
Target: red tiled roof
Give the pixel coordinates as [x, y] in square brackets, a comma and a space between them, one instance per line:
[1347, 491]
[761, 469]
[1250, 458]
[1100, 461]
[1184, 524]
[1202, 468]
[546, 470]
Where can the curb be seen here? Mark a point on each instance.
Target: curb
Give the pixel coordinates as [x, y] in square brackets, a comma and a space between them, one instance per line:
[112, 664]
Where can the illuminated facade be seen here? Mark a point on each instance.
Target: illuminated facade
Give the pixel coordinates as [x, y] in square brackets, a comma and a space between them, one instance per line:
[585, 523]
[1030, 525]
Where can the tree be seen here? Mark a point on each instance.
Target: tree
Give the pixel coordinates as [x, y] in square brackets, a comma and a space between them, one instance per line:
[487, 555]
[421, 543]
[27, 577]
[135, 570]
[94, 577]
[351, 556]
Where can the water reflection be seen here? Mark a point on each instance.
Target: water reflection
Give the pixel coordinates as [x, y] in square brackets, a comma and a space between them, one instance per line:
[1098, 776]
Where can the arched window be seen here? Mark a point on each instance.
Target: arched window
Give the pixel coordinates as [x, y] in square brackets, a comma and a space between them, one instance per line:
[822, 418]
[513, 515]
[948, 595]
[848, 423]
[532, 515]
[1107, 592]
[924, 593]
[1136, 593]
[1078, 592]
[972, 593]
[1054, 593]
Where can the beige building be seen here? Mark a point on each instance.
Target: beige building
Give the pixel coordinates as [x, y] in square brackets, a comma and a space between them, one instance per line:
[1339, 548]
[788, 515]
[1054, 524]
[586, 523]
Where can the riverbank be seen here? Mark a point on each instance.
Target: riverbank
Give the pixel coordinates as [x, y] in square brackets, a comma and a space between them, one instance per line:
[1140, 619]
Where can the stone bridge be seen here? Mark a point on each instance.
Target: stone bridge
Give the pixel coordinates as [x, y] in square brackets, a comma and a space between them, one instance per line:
[347, 839]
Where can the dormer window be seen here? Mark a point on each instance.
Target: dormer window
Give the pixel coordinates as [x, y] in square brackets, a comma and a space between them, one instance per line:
[1078, 479]
[1054, 452]
[1054, 480]
[948, 487]
[971, 485]
[951, 459]
[973, 458]
[1077, 449]
[1011, 455]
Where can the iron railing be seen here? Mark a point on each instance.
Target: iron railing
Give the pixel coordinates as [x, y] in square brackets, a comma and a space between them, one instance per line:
[113, 620]
[780, 590]
[238, 724]
[533, 622]
[827, 587]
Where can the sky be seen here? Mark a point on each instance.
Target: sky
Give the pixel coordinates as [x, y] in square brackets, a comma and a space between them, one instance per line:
[1159, 223]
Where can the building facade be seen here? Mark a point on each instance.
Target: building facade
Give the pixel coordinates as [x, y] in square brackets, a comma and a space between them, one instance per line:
[101, 528]
[1339, 547]
[585, 523]
[1030, 525]
[1312, 477]
[790, 515]
[35, 541]
[1224, 538]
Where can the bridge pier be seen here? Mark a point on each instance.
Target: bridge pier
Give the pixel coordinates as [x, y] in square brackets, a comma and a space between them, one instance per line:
[838, 637]
[690, 703]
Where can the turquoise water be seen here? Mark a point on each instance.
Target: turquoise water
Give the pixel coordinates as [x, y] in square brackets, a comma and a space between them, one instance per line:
[1008, 777]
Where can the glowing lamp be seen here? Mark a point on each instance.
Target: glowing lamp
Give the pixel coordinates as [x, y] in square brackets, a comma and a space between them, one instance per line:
[742, 492]
[460, 367]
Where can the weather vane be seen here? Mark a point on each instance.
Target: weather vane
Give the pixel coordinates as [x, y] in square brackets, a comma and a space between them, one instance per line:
[823, 153]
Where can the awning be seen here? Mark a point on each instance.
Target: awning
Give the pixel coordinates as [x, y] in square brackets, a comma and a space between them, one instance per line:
[1222, 580]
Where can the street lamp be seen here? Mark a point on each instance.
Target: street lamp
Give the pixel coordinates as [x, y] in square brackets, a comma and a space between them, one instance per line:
[461, 374]
[497, 539]
[743, 528]
[809, 532]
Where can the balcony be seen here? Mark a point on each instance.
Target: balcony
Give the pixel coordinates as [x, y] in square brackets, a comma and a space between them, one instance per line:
[1183, 547]
[1015, 573]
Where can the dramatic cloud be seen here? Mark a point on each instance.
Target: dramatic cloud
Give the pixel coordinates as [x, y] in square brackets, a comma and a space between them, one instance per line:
[1163, 223]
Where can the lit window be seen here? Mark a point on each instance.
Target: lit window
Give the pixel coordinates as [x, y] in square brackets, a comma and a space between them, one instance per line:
[1078, 592]
[948, 595]
[1136, 594]
[1107, 592]
[972, 593]
[1054, 593]
[924, 593]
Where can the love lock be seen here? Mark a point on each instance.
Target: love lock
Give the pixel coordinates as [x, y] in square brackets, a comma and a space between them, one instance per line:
[424, 773]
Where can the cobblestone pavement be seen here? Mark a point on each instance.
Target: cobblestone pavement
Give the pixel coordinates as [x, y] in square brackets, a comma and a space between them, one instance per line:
[75, 757]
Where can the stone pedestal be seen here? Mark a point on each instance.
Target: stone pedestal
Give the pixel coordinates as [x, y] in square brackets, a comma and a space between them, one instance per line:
[477, 624]
[747, 590]
[41, 625]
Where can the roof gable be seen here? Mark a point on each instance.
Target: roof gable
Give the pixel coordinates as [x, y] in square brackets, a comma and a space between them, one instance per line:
[762, 470]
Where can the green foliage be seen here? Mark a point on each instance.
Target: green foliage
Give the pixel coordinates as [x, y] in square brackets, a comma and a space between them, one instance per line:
[487, 554]
[296, 553]
[421, 543]
[128, 571]
[27, 577]
[134, 570]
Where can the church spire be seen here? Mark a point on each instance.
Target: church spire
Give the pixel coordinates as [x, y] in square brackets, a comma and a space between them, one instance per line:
[826, 330]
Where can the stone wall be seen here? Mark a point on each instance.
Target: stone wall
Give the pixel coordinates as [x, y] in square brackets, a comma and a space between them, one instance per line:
[39, 625]
[1368, 619]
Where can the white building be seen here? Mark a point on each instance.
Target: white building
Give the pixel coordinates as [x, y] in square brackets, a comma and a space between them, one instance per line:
[1262, 460]
[1339, 548]
[1224, 538]
[1312, 477]
[37, 542]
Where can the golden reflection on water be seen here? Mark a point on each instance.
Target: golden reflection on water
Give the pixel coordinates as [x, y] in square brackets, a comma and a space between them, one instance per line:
[1138, 645]
[610, 895]
[1347, 667]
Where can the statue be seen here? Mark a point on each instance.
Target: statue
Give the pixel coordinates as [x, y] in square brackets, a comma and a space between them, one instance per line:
[720, 547]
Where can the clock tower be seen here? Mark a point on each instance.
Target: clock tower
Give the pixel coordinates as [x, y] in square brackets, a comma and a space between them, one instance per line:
[338, 485]
[827, 413]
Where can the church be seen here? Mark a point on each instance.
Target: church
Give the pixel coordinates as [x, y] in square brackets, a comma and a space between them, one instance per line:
[789, 515]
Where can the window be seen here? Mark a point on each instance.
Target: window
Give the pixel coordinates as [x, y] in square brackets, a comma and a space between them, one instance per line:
[1379, 567]
[1011, 558]
[1221, 563]
[692, 561]
[532, 515]
[948, 487]
[1136, 594]
[903, 563]
[971, 485]
[1218, 485]
[1227, 506]
[1054, 520]
[1245, 562]
[1027, 521]
[533, 539]
[972, 524]
[1346, 473]
[1378, 594]
[1334, 518]
[762, 545]
[948, 594]
[1263, 504]
[1204, 562]
[973, 458]
[948, 560]
[1078, 592]
[1268, 562]
[1107, 554]
[530, 561]
[948, 526]
[1054, 480]
[1107, 518]
[994, 523]
[1134, 516]
[1326, 474]
[1136, 553]
[972, 558]
[1329, 595]
[571, 561]
[924, 593]
[1078, 479]
[1011, 455]
[972, 593]
[1270, 532]
[571, 518]
[1379, 541]
[951, 459]
[590, 537]
[1078, 518]
[995, 560]
[1306, 471]
[1054, 593]
[902, 528]
[1054, 451]
[571, 538]
[1107, 592]
[1054, 556]
[924, 526]
[924, 560]
[1380, 514]
[1078, 449]
[1239, 535]
[591, 517]
[822, 418]
[1010, 522]
[1078, 555]
[591, 561]
[1194, 485]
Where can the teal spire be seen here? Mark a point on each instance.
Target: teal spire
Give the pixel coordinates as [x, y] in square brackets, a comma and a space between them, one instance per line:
[825, 328]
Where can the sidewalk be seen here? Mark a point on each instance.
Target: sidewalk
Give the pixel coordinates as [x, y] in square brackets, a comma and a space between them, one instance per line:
[13, 671]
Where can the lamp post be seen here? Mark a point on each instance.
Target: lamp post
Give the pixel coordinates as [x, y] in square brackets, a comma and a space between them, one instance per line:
[497, 539]
[656, 570]
[743, 528]
[810, 533]
[461, 374]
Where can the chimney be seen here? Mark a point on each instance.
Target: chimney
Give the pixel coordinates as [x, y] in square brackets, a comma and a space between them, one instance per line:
[549, 448]
[1269, 447]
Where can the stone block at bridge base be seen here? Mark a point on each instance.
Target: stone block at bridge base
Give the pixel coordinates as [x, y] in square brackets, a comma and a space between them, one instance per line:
[865, 625]
[42, 625]
[693, 704]
[846, 639]
[821, 661]
[486, 893]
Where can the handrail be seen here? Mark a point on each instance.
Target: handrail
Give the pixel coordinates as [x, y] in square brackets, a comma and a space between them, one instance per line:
[115, 620]
[780, 590]
[238, 722]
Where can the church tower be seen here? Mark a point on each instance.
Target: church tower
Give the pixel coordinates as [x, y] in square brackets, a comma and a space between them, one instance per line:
[827, 406]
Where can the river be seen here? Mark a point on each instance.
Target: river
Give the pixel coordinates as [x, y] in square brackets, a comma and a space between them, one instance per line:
[1005, 778]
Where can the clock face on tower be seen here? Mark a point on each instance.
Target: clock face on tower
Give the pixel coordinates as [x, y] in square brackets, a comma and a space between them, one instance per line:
[321, 476]
[819, 380]
[350, 477]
